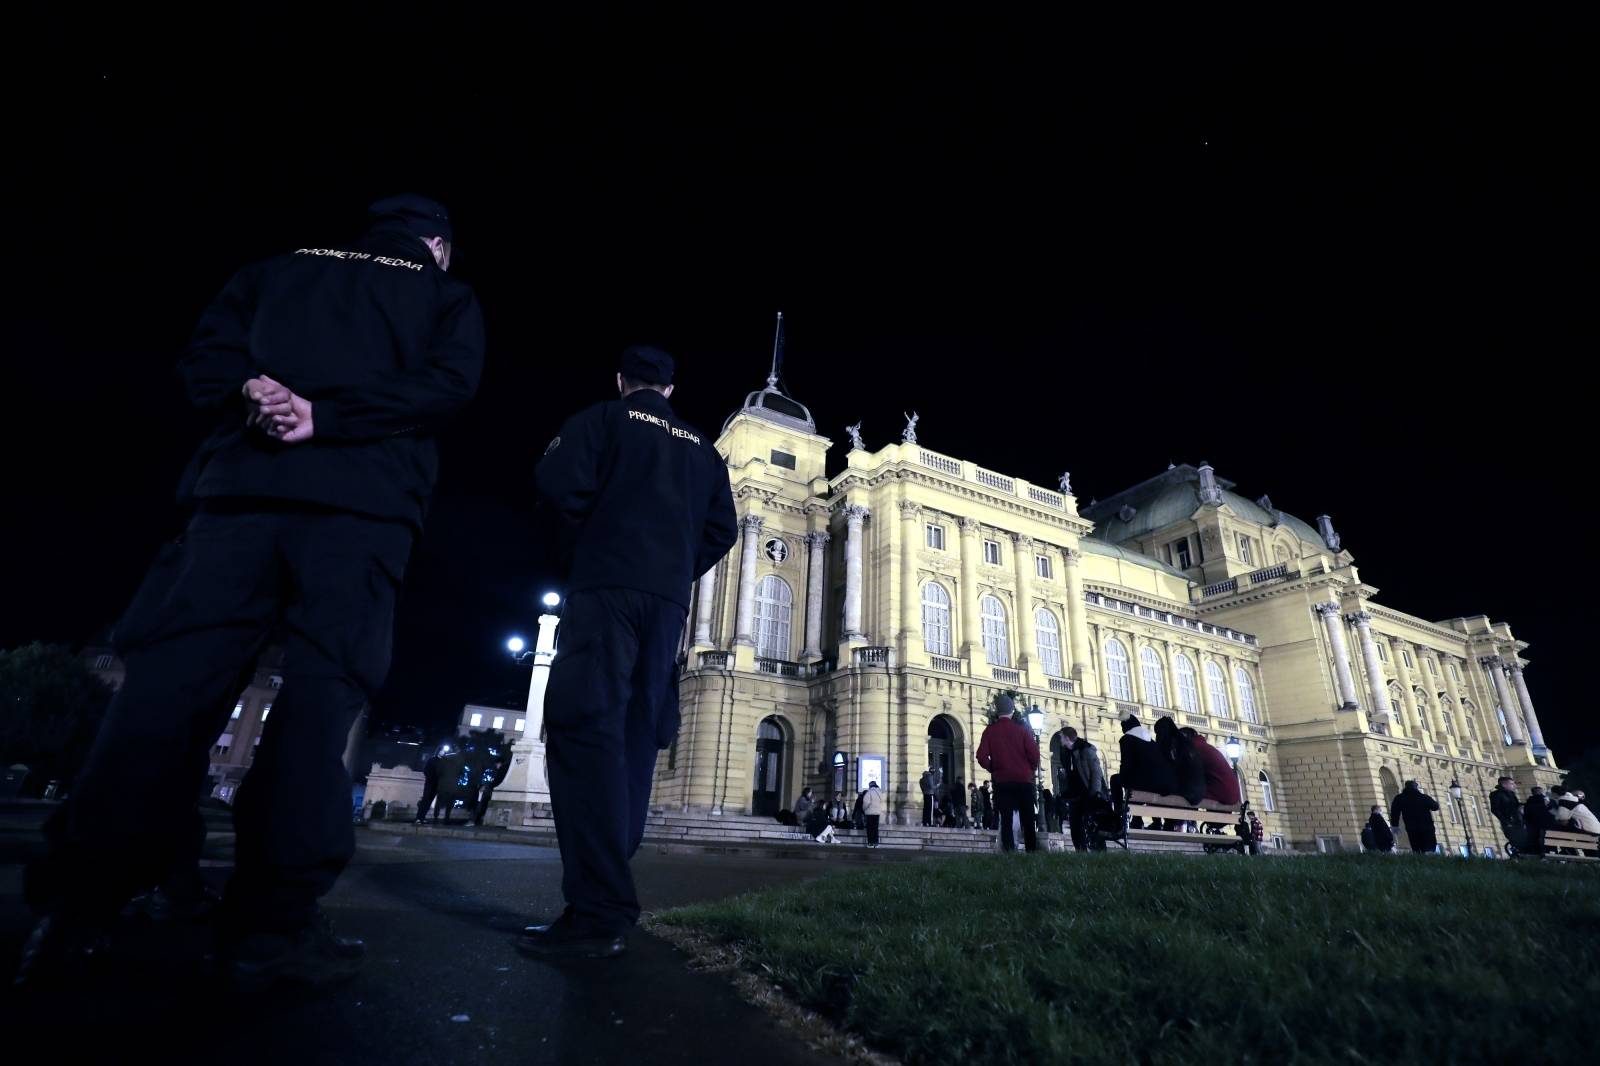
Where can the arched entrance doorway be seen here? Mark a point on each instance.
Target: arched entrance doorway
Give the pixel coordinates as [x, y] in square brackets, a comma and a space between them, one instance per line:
[944, 754]
[768, 796]
[1390, 785]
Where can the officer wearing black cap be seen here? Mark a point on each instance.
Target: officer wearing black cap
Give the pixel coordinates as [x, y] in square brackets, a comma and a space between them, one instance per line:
[327, 372]
[642, 506]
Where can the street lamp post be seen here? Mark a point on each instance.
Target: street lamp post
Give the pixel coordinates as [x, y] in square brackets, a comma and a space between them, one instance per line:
[1234, 750]
[1466, 827]
[1036, 723]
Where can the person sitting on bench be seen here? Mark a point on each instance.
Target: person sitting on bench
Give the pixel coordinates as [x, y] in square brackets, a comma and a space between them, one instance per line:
[1144, 767]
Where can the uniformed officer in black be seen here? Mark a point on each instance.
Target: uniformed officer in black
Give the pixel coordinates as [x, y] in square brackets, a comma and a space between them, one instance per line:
[642, 505]
[328, 372]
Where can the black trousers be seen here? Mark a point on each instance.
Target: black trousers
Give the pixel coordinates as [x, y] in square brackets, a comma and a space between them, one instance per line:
[1016, 797]
[430, 789]
[1078, 815]
[327, 581]
[611, 705]
[872, 829]
[927, 809]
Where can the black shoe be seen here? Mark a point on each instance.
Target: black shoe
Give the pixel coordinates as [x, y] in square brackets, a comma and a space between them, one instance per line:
[562, 921]
[565, 939]
[58, 949]
[165, 904]
[312, 956]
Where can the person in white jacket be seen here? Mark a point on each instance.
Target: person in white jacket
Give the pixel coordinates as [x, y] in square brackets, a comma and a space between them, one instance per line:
[872, 810]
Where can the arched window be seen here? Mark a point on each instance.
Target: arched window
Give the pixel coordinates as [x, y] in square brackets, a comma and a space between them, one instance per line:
[1049, 634]
[773, 603]
[1247, 696]
[1117, 678]
[1155, 677]
[996, 644]
[1188, 691]
[936, 619]
[1217, 685]
[1266, 791]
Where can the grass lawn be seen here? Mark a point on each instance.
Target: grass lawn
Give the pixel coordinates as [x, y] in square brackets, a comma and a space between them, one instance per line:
[1187, 959]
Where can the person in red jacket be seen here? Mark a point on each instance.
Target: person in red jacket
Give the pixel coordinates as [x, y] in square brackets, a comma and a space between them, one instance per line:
[1009, 751]
[1222, 784]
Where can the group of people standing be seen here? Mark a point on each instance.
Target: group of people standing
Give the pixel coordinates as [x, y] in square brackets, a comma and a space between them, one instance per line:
[1524, 823]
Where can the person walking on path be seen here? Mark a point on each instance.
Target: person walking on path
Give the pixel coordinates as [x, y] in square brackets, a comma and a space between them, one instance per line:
[872, 810]
[1415, 808]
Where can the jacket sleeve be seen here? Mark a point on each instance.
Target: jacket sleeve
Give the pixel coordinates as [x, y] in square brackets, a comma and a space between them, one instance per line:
[722, 523]
[1394, 808]
[217, 361]
[1433, 804]
[421, 399]
[985, 755]
[1033, 748]
[568, 477]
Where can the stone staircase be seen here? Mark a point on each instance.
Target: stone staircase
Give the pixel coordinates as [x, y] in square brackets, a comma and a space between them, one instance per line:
[667, 832]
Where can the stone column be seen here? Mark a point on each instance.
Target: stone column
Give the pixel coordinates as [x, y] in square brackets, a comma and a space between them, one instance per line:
[1469, 733]
[1233, 690]
[971, 637]
[910, 602]
[744, 634]
[1077, 618]
[1408, 699]
[1135, 671]
[1169, 657]
[707, 607]
[1027, 632]
[816, 586]
[1341, 657]
[1535, 734]
[1369, 654]
[1435, 712]
[854, 515]
[1497, 676]
[1204, 685]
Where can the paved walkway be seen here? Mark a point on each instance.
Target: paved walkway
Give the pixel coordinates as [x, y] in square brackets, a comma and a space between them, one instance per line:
[443, 983]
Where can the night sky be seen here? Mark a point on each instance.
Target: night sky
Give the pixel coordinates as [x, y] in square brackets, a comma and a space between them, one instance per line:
[1349, 270]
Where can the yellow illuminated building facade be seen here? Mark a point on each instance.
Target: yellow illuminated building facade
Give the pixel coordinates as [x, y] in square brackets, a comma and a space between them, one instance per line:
[865, 621]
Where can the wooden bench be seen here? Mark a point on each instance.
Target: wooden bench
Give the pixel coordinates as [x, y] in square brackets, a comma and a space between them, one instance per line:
[1208, 813]
[1586, 846]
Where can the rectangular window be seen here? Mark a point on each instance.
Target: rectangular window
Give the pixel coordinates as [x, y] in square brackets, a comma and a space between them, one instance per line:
[103, 663]
[1432, 669]
[499, 721]
[1041, 566]
[1407, 657]
[266, 711]
[1330, 845]
[1244, 550]
[936, 537]
[1453, 675]
[991, 552]
[1169, 553]
[522, 724]
[476, 720]
[1182, 548]
[238, 709]
[783, 459]
[1277, 841]
[1383, 650]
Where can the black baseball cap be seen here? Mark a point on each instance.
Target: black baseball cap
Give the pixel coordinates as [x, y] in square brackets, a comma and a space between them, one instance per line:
[649, 365]
[418, 214]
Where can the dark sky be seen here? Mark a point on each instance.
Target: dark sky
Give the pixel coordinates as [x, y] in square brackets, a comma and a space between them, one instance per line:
[1349, 269]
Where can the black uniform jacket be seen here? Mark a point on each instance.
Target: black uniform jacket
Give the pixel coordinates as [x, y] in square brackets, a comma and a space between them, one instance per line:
[641, 499]
[384, 344]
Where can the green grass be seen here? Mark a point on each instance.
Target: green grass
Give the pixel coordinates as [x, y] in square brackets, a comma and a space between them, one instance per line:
[1180, 959]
